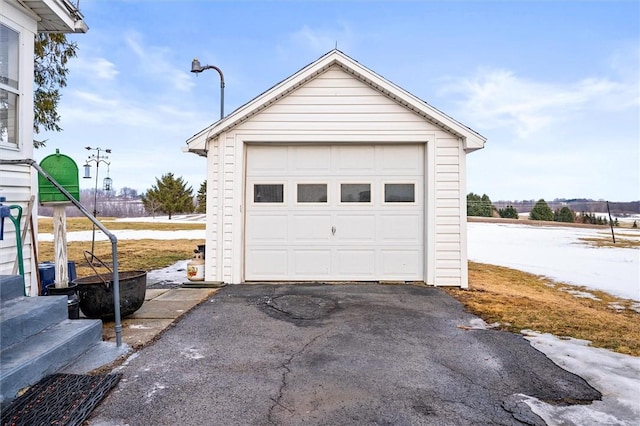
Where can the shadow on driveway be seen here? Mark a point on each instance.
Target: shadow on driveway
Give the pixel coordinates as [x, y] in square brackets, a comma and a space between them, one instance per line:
[334, 355]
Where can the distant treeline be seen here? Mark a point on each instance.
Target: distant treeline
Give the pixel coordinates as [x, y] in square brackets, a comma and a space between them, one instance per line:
[577, 205]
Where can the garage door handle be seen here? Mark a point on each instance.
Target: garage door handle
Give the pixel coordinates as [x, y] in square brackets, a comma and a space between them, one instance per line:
[333, 230]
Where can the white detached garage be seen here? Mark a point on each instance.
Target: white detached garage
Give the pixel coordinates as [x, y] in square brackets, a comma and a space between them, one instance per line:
[336, 174]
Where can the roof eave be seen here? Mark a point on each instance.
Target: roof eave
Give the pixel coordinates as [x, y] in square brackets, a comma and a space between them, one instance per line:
[56, 16]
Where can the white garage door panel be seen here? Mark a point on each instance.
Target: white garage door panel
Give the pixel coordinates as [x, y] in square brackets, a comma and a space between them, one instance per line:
[312, 263]
[315, 161]
[310, 228]
[268, 228]
[270, 160]
[401, 228]
[356, 264]
[331, 240]
[354, 159]
[268, 264]
[402, 160]
[355, 228]
[397, 262]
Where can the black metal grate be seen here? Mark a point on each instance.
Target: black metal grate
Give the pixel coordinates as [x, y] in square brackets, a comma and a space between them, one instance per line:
[59, 399]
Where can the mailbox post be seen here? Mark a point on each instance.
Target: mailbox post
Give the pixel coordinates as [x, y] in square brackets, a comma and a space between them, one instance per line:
[65, 171]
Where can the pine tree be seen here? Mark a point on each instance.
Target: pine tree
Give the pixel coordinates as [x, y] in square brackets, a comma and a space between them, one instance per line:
[564, 214]
[479, 206]
[169, 195]
[508, 212]
[202, 198]
[541, 211]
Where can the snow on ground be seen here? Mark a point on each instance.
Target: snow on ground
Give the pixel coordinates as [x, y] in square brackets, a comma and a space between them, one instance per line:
[616, 376]
[171, 275]
[130, 234]
[557, 252]
[185, 218]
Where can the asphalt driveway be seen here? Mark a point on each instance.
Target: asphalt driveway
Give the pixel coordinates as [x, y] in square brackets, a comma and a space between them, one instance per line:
[335, 355]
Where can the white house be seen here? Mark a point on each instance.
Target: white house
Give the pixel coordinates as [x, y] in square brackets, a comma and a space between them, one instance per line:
[20, 21]
[336, 174]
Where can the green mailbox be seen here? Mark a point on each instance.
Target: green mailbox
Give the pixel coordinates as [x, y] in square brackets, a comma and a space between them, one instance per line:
[64, 171]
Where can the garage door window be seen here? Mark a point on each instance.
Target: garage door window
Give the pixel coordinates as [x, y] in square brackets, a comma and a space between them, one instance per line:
[268, 193]
[355, 192]
[312, 192]
[399, 193]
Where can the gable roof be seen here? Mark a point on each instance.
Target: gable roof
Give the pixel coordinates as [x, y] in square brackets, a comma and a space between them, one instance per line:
[471, 139]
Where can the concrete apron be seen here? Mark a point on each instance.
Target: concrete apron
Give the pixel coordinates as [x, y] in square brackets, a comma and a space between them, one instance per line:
[160, 309]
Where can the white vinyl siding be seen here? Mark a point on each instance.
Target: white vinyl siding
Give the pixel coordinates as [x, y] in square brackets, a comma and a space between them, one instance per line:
[335, 108]
[337, 102]
[449, 268]
[17, 182]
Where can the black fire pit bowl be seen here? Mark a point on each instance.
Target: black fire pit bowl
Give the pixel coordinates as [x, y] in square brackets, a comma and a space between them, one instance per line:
[96, 294]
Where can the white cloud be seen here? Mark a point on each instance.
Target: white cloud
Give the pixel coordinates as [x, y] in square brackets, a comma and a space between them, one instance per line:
[95, 68]
[498, 98]
[156, 61]
[319, 41]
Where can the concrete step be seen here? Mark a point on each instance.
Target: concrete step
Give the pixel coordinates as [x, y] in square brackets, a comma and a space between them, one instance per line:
[25, 363]
[11, 287]
[22, 317]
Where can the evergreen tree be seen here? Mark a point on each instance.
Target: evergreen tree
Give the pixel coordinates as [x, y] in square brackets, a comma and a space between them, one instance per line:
[202, 198]
[52, 51]
[479, 206]
[169, 195]
[564, 214]
[635, 225]
[508, 212]
[541, 211]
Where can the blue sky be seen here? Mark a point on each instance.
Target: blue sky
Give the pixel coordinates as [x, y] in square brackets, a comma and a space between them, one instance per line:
[552, 85]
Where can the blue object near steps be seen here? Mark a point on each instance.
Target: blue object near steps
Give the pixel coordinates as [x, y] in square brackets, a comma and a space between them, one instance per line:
[5, 211]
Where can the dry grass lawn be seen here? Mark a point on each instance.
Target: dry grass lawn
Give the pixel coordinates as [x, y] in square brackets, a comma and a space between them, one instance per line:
[45, 225]
[133, 255]
[520, 301]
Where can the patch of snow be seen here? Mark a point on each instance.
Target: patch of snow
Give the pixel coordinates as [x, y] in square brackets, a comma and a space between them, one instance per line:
[556, 252]
[616, 306]
[130, 234]
[188, 218]
[173, 274]
[578, 293]
[615, 375]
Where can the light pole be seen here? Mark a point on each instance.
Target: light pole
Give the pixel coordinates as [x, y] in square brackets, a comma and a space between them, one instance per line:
[96, 158]
[197, 68]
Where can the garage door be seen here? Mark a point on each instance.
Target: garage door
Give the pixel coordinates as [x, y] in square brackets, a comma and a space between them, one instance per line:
[327, 213]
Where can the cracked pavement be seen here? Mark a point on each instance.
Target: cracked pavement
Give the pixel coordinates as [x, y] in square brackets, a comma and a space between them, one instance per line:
[333, 355]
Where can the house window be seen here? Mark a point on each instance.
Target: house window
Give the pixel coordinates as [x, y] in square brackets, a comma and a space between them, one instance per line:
[399, 193]
[268, 193]
[9, 94]
[355, 192]
[312, 192]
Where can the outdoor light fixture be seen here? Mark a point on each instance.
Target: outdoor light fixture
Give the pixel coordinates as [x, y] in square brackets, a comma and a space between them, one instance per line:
[197, 68]
[107, 183]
